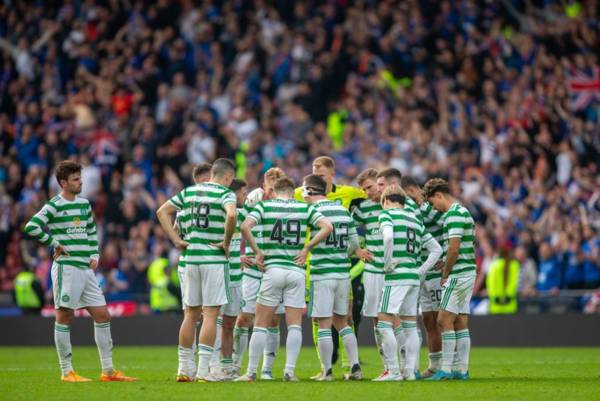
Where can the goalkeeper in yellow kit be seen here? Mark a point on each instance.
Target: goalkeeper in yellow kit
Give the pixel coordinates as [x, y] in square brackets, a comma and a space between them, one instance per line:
[324, 167]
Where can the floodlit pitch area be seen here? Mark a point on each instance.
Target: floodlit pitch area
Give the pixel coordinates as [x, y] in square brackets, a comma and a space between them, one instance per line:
[31, 373]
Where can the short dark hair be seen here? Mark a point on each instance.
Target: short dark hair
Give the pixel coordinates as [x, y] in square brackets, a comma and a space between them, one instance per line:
[316, 183]
[368, 174]
[394, 193]
[408, 182]
[390, 173]
[435, 185]
[284, 184]
[65, 168]
[221, 167]
[237, 184]
[201, 169]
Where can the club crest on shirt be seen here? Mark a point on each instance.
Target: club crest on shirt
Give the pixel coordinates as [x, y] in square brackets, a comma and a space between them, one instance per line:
[77, 221]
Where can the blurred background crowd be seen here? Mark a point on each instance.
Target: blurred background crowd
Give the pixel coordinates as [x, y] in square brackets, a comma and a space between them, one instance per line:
[500, 97]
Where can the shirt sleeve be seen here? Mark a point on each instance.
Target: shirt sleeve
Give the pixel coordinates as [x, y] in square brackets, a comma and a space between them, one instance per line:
[454, 224]
[357, 216]
[257, 213]
[177, 200]
[228, 197]
[36, 225]
[385, 220]
[313, 216]
[92, 236]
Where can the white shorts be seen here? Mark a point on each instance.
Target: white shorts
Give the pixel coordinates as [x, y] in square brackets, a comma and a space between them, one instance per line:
[282, 285]
[399, 300]
[430, 295]
[250, 287]
[456, 295]
[328, 297]
[206, 286]
[234, 307]
[181, 275]
[373, 284]
[75, 288]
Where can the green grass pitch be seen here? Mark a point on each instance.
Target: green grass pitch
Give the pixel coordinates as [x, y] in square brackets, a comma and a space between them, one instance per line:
[31, 373]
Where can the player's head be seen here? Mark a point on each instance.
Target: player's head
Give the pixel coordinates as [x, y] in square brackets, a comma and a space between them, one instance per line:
[201, 172]
[239, 187]
[367, 180]
[412, 188]
[437, 192]
[222, 172]
[271, 176]
[284, 188]
[393, 196]
[68, 175]
[313, 188]
[389, 176]
[324, 167]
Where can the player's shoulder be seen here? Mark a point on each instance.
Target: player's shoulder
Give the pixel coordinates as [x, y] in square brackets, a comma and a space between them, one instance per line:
[357, 203]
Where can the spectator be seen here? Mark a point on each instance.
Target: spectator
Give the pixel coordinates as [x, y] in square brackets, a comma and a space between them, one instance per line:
[549, 276]
[527, 273]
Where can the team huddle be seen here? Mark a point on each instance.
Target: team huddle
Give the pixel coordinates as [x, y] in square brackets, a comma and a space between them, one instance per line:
[248, 259]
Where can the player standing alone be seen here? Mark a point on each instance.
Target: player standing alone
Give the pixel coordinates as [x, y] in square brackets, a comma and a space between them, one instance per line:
[458, 279]
[73, 235]
[211, 209]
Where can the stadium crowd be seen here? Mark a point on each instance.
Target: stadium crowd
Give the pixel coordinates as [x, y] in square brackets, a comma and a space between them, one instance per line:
[139, 92]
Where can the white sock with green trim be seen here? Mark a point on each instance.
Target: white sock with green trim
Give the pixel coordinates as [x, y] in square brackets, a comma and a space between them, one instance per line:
[350, 344]
[448, 348]
[215, 358]
[293, 345]
[62, 339]
[271, 348]
[378, 341]
[205, 353]
[389, 346]
[401, 341]
[463, 346]
[256, 348]
[240, 343]
[105, 345]
[435, 361]
[412, 346]
[325, 343]
[187, 365]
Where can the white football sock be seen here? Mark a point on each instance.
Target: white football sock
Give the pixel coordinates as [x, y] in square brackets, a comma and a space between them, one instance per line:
[401, 341]
[350, 344]
[325, 343]
[448, 347]
[463, 346]
[378, 340]
[240, 343]
[187, 365]
[256, 348]
[204, 355]
[293, 345]
[389, 346]
[105, 345]
[435, 361]
[271, 348]
[62, 339]
[412, 346]
[216, 356]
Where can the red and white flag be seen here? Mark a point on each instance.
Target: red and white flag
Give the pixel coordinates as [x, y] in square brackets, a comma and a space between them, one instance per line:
[583, 88]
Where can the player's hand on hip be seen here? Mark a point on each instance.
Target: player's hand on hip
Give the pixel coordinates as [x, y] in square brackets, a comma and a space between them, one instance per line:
[260, 262]
[221, 245]
[247, 261]
[364, 255]
[93, 264]
[181, 244]
[443, 281]
[59, 251]
[301, 258]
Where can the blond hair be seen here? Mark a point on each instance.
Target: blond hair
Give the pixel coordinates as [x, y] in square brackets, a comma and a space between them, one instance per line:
[394, 193]
[324, 161]
[368, 174]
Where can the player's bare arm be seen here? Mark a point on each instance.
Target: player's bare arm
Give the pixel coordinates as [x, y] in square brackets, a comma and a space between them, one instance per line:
[165, 215]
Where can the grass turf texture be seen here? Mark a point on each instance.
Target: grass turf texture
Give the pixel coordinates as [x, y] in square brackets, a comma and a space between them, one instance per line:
[31, 373]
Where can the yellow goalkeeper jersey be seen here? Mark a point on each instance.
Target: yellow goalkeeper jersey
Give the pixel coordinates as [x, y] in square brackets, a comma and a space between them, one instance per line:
[344, 194]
